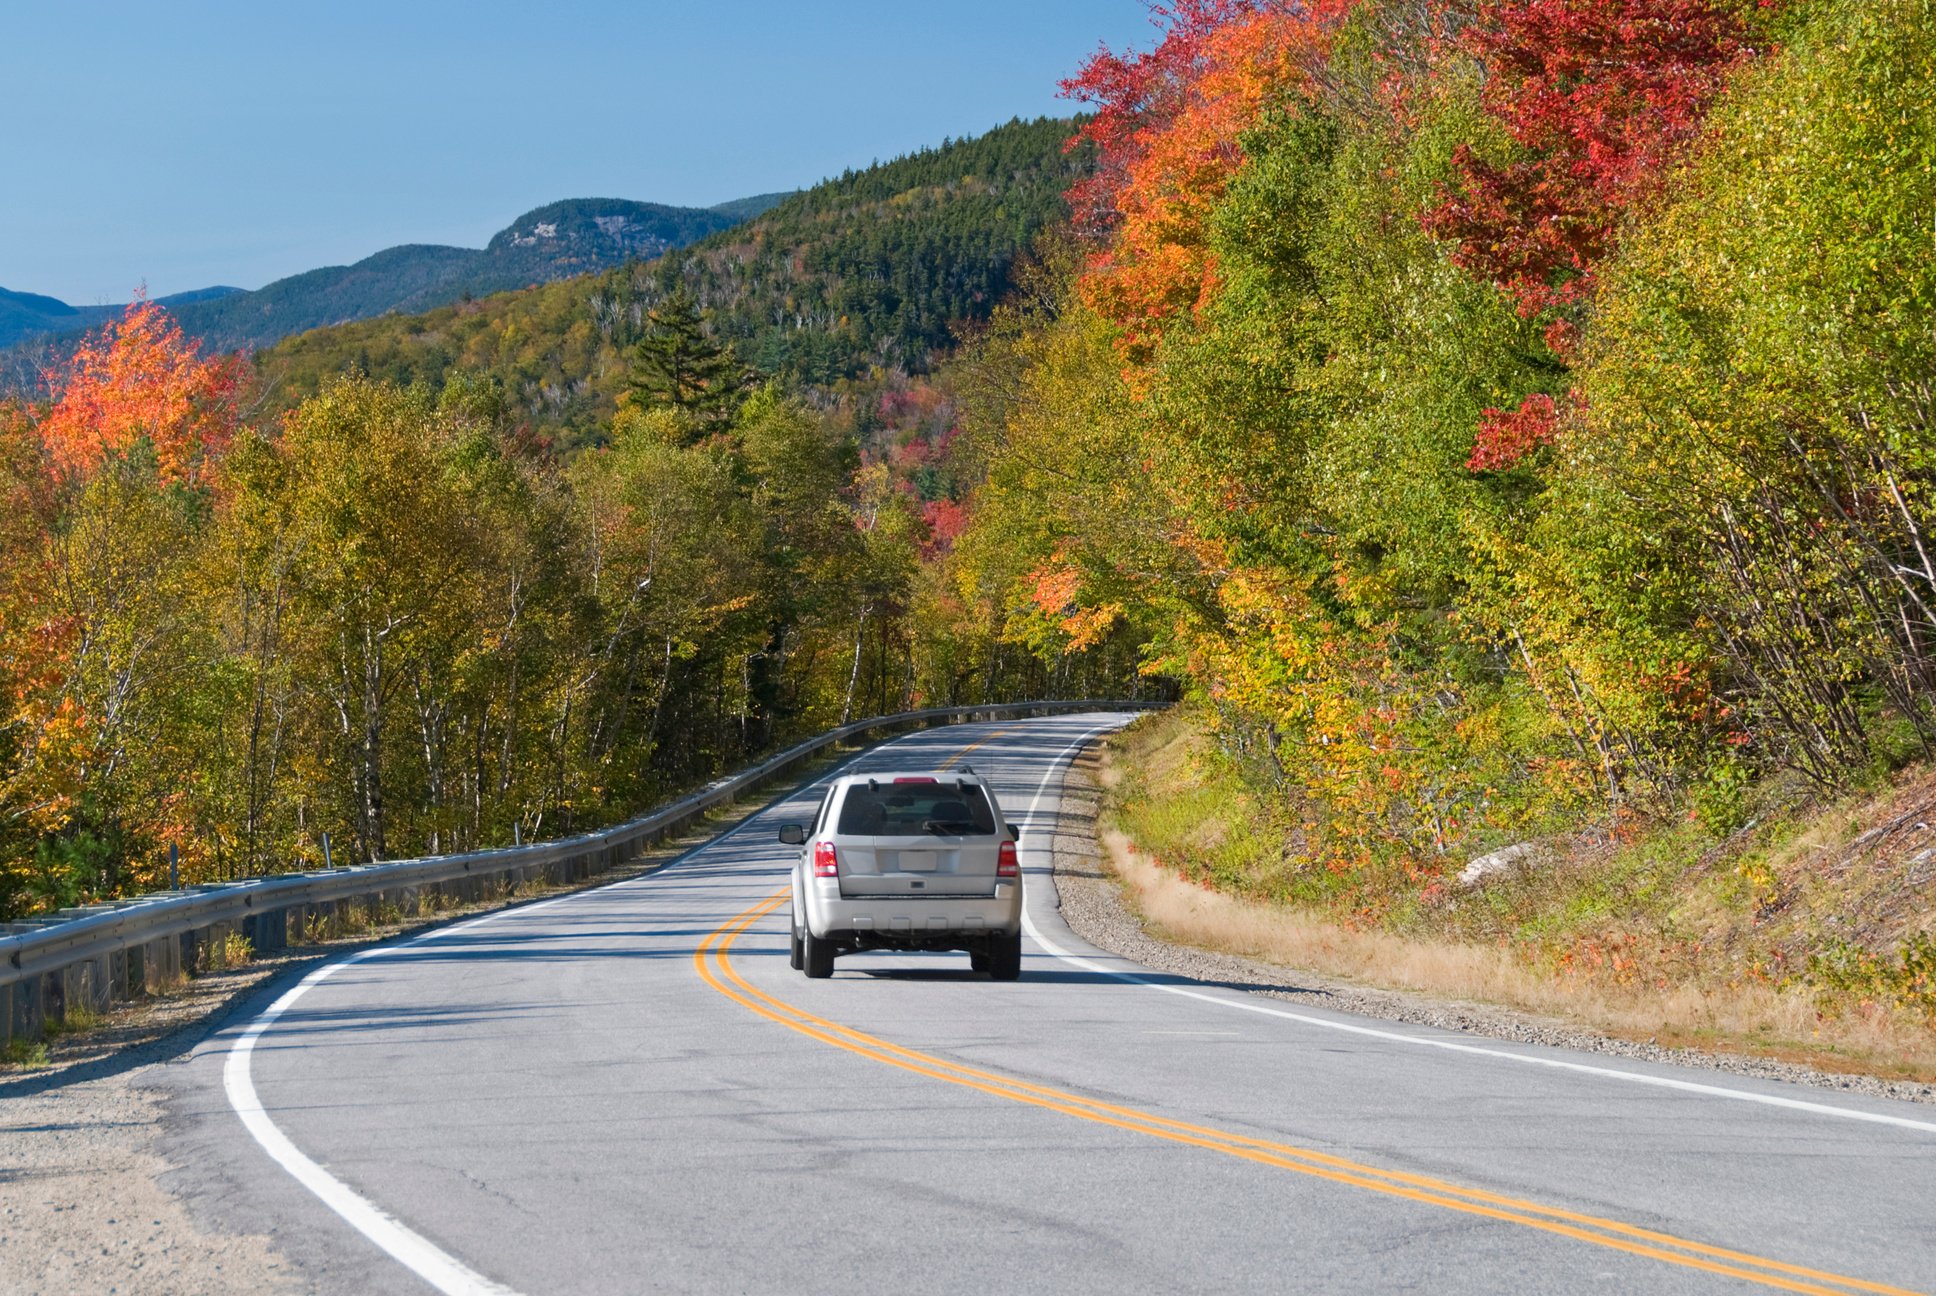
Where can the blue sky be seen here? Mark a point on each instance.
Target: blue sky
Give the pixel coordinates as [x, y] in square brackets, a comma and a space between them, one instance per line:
[192, 143]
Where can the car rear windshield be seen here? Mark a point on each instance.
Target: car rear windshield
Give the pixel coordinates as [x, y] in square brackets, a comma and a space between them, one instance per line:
[910, 809]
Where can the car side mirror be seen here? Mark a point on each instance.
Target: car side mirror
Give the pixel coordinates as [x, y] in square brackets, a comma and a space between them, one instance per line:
[793, 834]
[1014, 833]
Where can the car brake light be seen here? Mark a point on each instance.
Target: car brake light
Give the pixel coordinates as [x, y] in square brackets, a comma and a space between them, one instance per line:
[1007, 864]
[917, 779]
[825, 862]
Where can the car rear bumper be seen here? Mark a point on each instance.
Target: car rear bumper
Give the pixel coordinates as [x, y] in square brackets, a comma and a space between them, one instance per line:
[882, 920]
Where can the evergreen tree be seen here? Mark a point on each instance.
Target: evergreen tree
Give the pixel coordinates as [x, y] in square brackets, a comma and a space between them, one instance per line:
[676, 364]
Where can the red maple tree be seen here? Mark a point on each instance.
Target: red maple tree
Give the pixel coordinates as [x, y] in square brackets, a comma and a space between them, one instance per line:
[1599, 96]
[1507, 436]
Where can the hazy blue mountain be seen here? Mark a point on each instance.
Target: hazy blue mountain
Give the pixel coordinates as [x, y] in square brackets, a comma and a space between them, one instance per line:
[29, 315]
[556, 241]
[574, 237]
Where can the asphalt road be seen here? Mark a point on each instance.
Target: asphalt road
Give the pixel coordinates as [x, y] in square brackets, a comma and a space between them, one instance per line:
[627, 1089]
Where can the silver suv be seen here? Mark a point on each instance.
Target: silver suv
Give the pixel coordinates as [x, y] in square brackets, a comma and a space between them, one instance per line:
[907, 861]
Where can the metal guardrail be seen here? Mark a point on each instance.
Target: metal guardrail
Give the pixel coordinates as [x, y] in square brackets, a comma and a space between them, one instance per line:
[91, 956]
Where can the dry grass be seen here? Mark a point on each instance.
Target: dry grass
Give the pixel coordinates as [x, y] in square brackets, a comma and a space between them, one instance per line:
[1744, 1018]
[1707, 918]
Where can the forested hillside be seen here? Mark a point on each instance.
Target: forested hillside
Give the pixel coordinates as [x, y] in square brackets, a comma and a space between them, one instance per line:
[576, 237]
[869, 270]
[397, 618]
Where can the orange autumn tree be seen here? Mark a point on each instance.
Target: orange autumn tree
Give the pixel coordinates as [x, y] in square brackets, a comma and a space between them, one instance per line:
[1168, 134]
[142, 379]
[100, 587]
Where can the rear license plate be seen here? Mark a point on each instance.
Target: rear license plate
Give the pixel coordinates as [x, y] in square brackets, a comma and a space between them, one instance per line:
[917, 861]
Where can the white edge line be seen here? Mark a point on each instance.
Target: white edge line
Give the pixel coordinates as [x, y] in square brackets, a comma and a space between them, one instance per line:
[405, 1245]
[1423, 1041]
[410, 1248]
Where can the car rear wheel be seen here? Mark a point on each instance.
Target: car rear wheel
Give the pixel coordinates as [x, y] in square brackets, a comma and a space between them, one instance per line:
[977, 961]
[1005, 957]
[796, 957]
[816, 955]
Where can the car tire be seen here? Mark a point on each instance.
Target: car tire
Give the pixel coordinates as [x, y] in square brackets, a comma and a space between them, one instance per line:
[816, 955]
[796, 956]
[1005, 957]
[978, 960]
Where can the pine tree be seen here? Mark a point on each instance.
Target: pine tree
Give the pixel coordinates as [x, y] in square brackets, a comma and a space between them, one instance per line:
[677, 364]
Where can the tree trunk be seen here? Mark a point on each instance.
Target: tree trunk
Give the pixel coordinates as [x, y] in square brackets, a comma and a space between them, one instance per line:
[853, 676]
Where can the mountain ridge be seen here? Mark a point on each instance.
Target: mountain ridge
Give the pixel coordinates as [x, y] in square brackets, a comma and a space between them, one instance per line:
[558, 240]
[25, 315]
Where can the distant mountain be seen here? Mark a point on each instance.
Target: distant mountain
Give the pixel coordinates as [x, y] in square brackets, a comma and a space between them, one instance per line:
[574, 237]
[745, 209]
[578, 236]
[29, 315]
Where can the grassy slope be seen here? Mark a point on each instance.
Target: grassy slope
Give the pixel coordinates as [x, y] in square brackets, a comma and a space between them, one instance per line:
[1784, 938]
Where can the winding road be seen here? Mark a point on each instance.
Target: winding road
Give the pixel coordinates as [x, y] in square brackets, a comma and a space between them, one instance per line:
[627, 1089]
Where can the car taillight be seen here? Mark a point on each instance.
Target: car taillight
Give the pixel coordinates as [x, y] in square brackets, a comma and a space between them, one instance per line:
[1007, 864]
[825, 862]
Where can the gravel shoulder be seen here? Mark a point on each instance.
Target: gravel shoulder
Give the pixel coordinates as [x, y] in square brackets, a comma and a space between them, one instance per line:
[1094, 903]
[82, 1203]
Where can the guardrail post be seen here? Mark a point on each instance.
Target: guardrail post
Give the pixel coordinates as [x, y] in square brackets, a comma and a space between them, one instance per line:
[267, 930]
[160, 964]
[97, 984]
[25, 1007]
[53, 997]
[118, 985]
[217, 954]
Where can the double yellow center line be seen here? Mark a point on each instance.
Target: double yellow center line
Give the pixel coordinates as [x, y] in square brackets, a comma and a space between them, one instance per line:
[716, 967]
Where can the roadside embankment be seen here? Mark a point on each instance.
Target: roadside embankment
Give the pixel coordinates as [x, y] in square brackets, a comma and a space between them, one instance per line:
[1770, 952]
